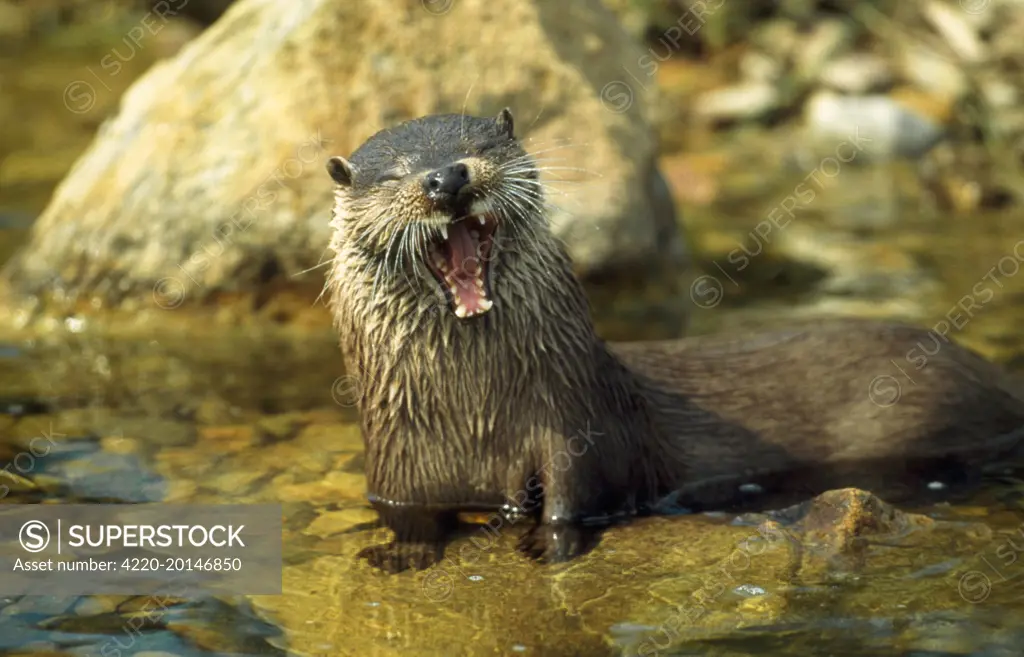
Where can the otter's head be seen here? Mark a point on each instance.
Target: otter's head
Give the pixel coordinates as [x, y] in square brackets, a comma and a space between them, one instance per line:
[439, 194]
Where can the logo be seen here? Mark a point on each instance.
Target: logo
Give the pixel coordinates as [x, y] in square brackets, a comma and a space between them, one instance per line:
[34, 536]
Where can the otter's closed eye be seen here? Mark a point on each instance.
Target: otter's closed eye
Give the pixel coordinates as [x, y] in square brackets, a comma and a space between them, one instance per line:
[388, 176]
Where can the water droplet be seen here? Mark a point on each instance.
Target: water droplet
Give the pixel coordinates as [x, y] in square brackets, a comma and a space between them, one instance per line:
[751, 489]
[936, 485]
[748, 590]
[519, 648]
[475, 578]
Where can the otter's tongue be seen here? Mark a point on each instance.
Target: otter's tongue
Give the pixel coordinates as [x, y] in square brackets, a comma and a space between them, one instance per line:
[465, 271]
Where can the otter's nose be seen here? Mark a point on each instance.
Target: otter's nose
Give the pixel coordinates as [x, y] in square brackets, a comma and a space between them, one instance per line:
[444, 184]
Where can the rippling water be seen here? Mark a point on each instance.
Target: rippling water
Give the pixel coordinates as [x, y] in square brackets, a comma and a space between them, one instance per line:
[218, 418]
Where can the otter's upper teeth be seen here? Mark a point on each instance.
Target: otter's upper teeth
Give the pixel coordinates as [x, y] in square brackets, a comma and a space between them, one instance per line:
[481, 219]
[444, 232]
[486, 304]
[461, 310]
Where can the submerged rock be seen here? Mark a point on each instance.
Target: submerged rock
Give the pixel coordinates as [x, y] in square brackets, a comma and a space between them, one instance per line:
[840, 520]
[210, 183]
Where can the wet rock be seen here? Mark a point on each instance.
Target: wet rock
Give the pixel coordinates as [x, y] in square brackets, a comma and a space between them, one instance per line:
[335, 522]
[150, 430]
[841, 520]
[95, 605]
[49, 605]
[233, 199]
[283, 426]
[215, 410]
[236, 484]
[858, 73]
[336, 435]
[103, 475]
[334, 487]
[119, 445]
[887, 128]
[228, 439]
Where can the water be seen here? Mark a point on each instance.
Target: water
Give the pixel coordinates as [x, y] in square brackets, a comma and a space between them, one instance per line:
[219, 418]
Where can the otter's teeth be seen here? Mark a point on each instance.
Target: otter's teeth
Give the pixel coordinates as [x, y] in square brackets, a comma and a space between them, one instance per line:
[461, 310]
[481, 219]
[475, 234]
[444, 232]
[486, 304]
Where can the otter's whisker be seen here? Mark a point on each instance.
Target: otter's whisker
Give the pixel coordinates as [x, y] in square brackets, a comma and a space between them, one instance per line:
[306, 271]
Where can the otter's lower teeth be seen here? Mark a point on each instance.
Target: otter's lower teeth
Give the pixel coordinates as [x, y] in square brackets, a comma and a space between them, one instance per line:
[485, 304]
[474, 234]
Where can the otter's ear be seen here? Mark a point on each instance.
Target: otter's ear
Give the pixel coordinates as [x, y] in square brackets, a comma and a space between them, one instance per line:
[340, 170]
[505, 124]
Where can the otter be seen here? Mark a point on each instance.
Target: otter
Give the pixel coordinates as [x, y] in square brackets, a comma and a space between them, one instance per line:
[484, 386]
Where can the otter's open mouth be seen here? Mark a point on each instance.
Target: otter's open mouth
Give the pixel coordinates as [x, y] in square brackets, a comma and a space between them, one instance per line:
[461, 263]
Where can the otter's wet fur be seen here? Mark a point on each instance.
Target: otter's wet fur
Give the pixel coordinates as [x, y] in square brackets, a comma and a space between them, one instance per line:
[525, 408]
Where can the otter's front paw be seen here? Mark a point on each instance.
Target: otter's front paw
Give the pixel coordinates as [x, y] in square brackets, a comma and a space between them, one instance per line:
[394, 557]
[554, 543]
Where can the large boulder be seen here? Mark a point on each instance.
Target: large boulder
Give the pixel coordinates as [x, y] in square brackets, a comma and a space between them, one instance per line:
[209, 185]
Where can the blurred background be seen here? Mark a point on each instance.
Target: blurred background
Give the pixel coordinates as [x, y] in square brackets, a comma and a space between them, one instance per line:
[716, 165]
[741, 108]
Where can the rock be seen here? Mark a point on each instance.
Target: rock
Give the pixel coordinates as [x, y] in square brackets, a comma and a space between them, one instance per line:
[888, 128]
[335, 522]
[228, 439]
[999, 93]
[932, 72]
[829, 39]
[956, 30]
[209, 183]
[96, 605]
[744, 101]
[857, 73]
[842, 519]
[760, 67]
[841, 531]
[778, 38]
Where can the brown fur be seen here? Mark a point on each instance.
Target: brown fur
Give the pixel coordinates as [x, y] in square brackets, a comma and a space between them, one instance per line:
[526, 407]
